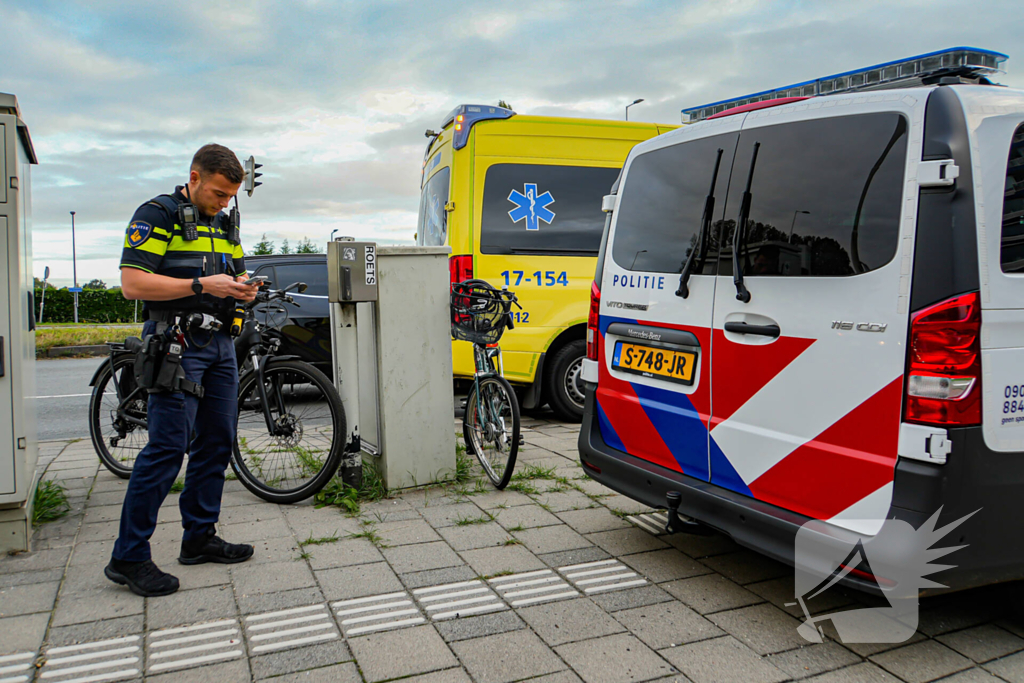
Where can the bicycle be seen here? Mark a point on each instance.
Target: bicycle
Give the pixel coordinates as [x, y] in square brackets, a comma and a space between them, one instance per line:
[480, 314]
[291, 422]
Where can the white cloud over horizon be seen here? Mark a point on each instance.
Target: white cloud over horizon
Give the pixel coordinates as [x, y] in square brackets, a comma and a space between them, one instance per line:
[333, 97]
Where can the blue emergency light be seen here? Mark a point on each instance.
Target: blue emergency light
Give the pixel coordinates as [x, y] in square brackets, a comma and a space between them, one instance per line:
[902, 73]
[465, 116]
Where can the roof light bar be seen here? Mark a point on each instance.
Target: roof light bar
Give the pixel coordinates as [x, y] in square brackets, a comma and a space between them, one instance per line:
[903, 73]
[466, 115]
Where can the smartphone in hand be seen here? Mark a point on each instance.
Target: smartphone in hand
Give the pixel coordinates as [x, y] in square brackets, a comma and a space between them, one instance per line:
[258, 280]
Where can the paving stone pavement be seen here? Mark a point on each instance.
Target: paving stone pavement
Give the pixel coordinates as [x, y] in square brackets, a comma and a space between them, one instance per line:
[555, 580]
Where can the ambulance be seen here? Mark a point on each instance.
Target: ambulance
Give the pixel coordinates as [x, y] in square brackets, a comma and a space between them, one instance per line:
[518, 199]
[809, 306]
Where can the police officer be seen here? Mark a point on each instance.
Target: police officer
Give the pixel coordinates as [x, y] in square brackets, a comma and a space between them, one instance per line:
[181, 256]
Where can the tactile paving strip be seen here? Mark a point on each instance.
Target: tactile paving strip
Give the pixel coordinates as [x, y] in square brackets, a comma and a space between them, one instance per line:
[653, 523]
[376, 613]
[604, 575]
[103, 660]
[461, 599]
[188, 646]
[289, 628]
[16, 668]
[530, 588]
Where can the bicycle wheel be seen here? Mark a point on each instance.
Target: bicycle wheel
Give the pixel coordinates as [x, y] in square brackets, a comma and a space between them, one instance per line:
[118, 431]
[492, 427]
[301, 458]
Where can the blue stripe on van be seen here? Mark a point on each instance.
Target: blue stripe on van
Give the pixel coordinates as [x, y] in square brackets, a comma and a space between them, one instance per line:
[679, 425]
[724, 474]
[608, 432]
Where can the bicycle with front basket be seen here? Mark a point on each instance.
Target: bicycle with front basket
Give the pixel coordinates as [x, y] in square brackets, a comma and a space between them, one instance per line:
[291, 422]
[480, 314]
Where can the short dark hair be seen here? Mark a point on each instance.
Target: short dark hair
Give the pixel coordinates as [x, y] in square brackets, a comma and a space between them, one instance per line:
[214, 158]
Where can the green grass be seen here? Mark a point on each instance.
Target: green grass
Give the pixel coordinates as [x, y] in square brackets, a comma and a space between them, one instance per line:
[468, 521]
[81, 336]
[339, 494]
[512, 541]
[322, 540]
[178, 486]
[517, 527]
[371, 536]
[529, 472]
[522, 487]
[304, 555]
[51, 502]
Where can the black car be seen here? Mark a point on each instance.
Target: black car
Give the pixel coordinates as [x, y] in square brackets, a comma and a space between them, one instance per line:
[304, 325]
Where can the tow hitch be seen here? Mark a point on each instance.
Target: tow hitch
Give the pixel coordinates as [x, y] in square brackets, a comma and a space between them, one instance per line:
[676, 525]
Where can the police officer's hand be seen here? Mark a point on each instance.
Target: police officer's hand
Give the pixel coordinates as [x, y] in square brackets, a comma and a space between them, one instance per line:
[224, 285]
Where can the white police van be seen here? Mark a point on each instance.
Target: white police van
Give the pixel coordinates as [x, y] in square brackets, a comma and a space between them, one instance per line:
[810, 306]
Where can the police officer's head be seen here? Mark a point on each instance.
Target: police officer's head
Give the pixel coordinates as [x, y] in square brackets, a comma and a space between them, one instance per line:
[215, 178]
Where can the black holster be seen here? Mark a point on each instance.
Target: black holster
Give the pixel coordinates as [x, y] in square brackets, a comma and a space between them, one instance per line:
[157, 365]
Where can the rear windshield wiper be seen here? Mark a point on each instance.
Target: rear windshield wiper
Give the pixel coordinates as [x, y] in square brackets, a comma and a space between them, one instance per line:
[700, 249]
[739, 237]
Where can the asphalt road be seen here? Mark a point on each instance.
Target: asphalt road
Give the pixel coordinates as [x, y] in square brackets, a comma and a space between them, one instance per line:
[62, 391]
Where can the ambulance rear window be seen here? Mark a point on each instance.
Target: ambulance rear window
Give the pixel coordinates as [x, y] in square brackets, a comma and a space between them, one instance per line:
[1012, 246]
[544, 209]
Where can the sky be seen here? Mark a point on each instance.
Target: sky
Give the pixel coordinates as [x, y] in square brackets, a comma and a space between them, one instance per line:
[333, 97]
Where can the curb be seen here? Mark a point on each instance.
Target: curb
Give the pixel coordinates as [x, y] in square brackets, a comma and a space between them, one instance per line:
[91, 350]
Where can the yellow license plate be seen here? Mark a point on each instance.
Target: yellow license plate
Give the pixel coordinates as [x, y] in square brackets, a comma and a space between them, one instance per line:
[652, 361]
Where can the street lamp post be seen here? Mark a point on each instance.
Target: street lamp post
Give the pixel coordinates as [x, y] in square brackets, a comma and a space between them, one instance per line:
[637, 101]
[332, 233]
[793, 223]
[74, 264]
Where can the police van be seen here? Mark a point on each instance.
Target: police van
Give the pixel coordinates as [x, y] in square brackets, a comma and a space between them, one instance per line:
[809, 305]
[518, 198]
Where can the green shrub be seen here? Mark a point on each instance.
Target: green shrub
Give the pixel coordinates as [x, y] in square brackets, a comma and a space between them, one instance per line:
[94, 305]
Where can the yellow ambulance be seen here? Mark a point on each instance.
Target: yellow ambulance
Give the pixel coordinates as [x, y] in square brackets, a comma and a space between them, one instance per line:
[518, 199]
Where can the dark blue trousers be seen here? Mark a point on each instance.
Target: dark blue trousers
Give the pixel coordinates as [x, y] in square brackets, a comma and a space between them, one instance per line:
[172, 418]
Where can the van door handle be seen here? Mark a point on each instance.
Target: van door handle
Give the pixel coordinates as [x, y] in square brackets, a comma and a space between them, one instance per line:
[746, 328]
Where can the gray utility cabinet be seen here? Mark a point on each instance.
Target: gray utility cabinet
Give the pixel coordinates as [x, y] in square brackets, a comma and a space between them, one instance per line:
[18, 444]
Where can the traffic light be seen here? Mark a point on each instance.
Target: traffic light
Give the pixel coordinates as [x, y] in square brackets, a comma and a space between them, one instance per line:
[251, 175]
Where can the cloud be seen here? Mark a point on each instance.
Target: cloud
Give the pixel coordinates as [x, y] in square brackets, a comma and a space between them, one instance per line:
[333, 97]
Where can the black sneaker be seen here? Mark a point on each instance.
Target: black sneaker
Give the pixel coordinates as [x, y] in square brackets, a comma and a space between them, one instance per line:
[214, 549]
[143, 578]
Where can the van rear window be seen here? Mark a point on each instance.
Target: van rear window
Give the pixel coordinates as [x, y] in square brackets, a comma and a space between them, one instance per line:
[662, 203]
[543, 209]
[1011, 253]
[825, 195]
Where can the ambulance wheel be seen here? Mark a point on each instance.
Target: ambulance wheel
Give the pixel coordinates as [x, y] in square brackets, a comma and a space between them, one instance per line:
[564, 384]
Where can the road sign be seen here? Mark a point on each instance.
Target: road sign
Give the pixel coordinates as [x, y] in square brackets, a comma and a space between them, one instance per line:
[76, 290]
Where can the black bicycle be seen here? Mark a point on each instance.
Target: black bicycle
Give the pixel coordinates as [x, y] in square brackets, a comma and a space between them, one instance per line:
[480, 314]
[291, 423]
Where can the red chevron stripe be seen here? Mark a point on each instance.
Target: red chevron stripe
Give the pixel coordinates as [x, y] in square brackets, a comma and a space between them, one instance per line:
[848, 461]
[623, 410]
[742, 370]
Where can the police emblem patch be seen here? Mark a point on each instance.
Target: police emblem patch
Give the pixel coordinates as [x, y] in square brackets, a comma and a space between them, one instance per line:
[138, 232]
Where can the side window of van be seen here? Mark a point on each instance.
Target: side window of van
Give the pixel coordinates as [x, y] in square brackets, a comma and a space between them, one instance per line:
[432, 227]
[826, 196]
[1012, 249]
[313, 274]
[543, 209]
[662, 199]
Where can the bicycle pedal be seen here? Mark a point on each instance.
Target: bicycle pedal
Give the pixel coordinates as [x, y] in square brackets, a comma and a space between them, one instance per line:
[522, 440]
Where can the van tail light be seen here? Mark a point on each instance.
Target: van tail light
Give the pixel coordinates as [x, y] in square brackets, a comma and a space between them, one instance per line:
[460, 268]
[943, 384]
[592, 333]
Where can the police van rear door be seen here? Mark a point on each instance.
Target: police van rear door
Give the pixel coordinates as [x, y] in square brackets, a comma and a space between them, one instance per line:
[654, 380]
[807, 375]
